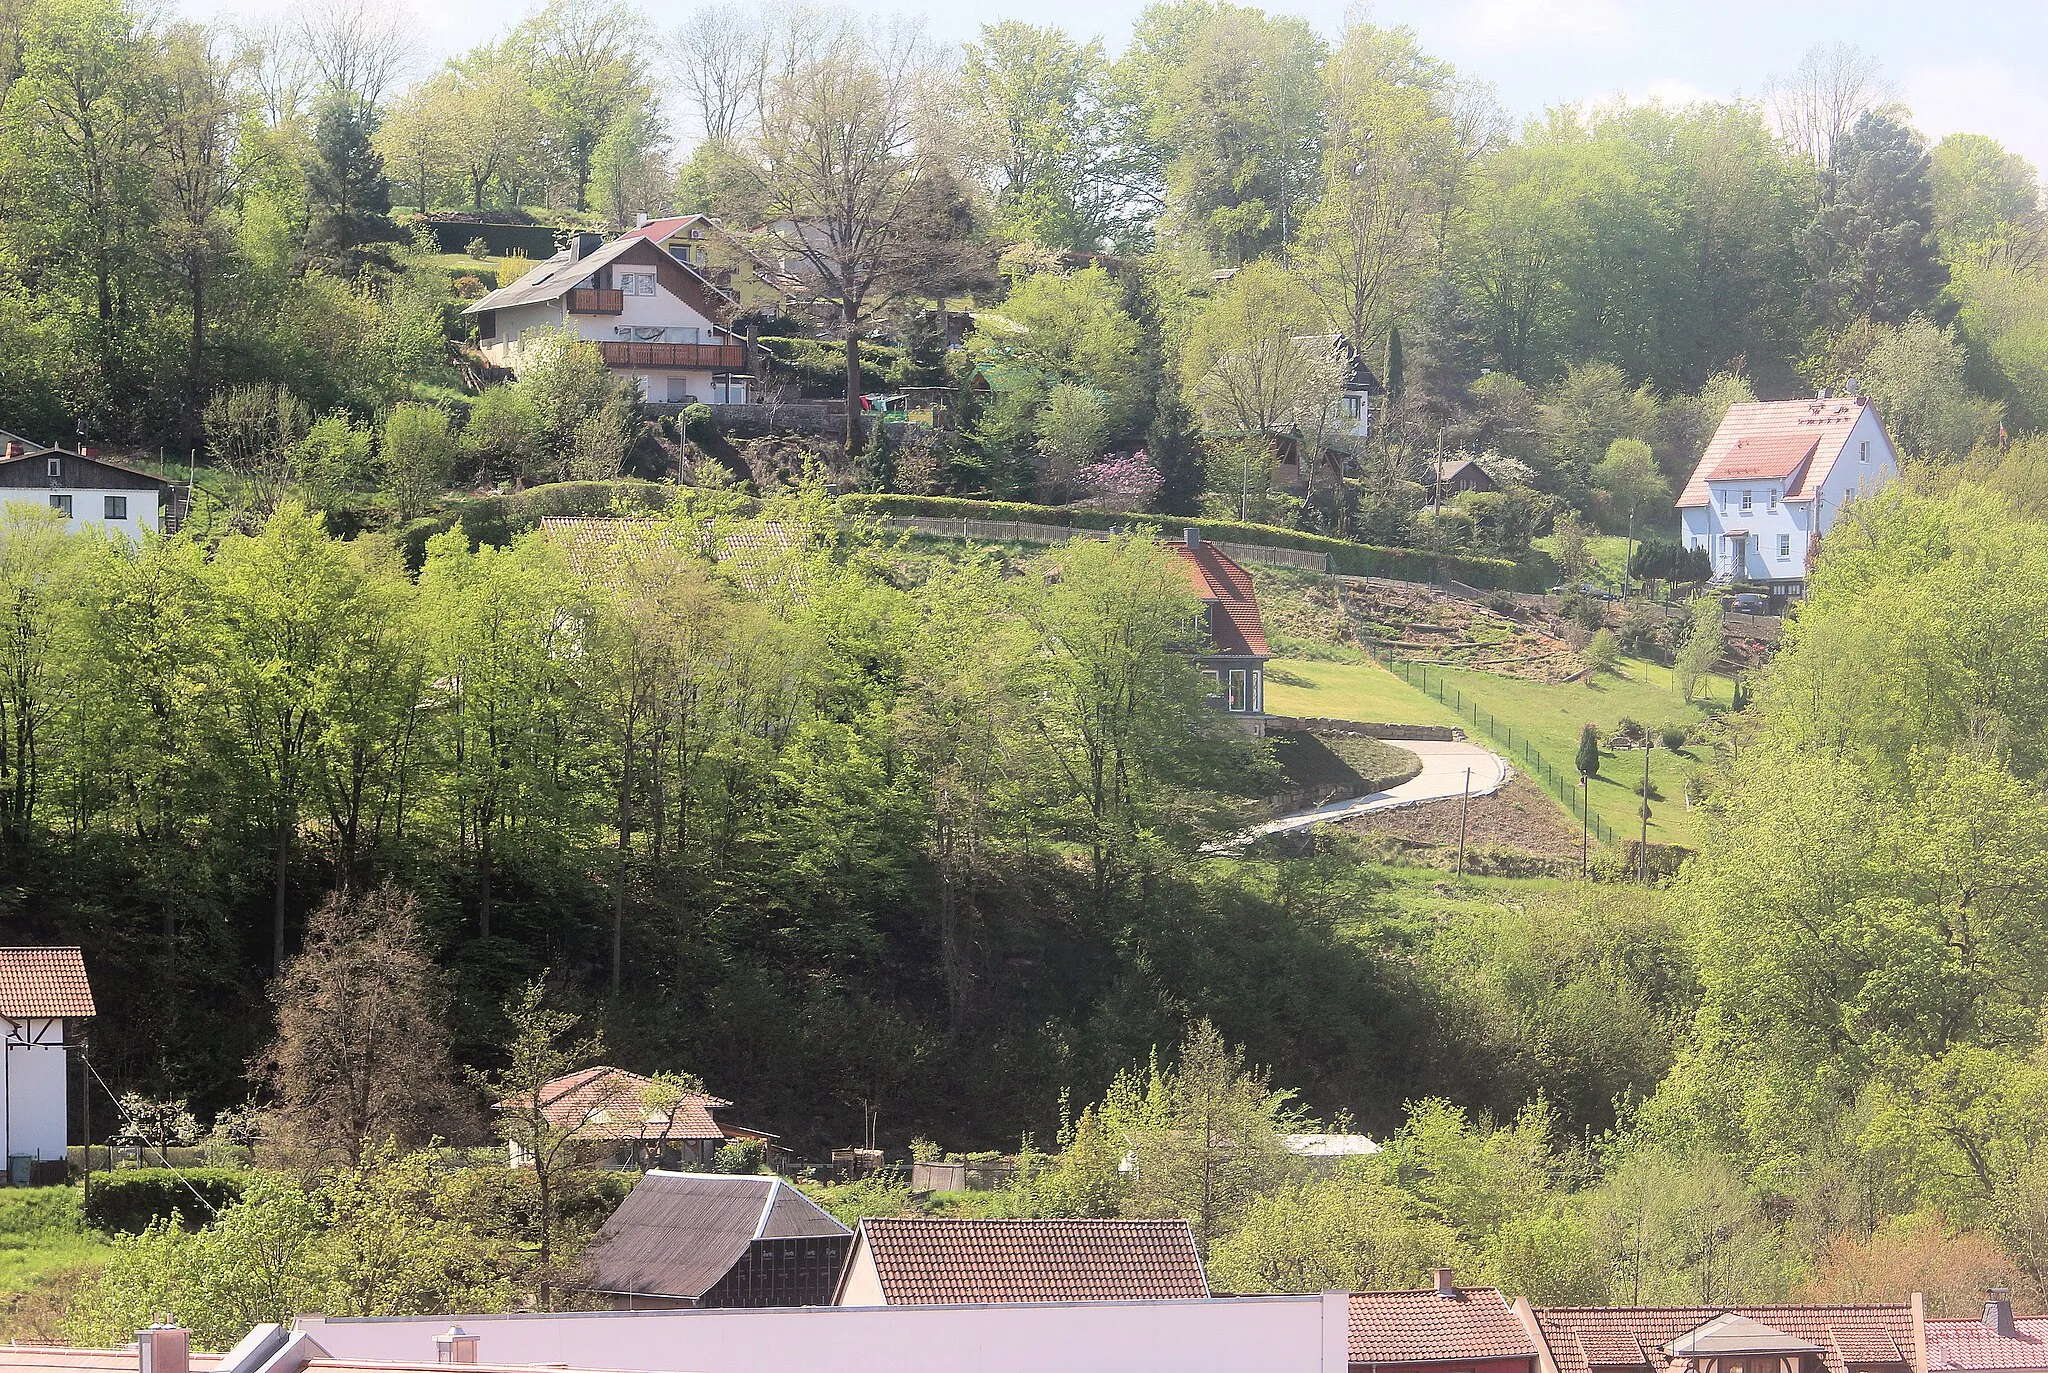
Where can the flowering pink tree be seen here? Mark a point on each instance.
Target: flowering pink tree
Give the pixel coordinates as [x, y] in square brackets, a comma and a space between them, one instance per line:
[1123, 481]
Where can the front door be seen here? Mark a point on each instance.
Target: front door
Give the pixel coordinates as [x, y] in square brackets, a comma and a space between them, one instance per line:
[1738, 554]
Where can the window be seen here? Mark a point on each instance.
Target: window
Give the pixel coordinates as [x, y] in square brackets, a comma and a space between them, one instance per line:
[1724, 500]
[1784, 545]
[1258, 692]
[1774, 498]
[1354, 406]
[1236, 701]
[61, 504]
[636, 283]
[1745, 503]
[56, 468]
[728, 388]
[1863, 451]
[117, 508]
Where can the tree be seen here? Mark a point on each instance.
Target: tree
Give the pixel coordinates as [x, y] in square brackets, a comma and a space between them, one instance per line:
[414, 137]
[1569, 547]
[1067, 329]
[1589, 751]
[43, 586]
[349, 196]
[1629, 478]
[416, 454]
[1822, 100]
[1602, 653]
[252, 432]
[1349, 1232]
[159, 1123]
[1699, 651]
[1073, 425]
[1871, 249]
[1914, 375]
[586, 66]
[361, 1057]
[1987, 205]
[1034, 98]
[502, 434]
[580, 406]
[491, 119]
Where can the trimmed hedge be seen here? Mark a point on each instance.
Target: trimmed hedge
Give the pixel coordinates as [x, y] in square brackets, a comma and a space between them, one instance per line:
[125, 1202]
[1351, 559]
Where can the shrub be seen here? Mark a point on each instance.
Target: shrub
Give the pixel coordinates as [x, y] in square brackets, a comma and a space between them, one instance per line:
[125, 1202]
[1628, 733]
[740, 1156]
[1602, 651]
[699, 424]
[478, 248]
[1589, 751]
[1672, 737]
[1647, 790]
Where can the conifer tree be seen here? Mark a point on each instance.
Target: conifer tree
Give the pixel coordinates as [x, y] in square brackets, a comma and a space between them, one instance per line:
[351, 198]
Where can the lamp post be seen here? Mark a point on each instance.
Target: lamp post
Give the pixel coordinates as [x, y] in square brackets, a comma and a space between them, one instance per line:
[1643, 849]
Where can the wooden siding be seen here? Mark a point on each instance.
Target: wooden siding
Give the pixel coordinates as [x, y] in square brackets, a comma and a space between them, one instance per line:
[587, 301]
[725, 356]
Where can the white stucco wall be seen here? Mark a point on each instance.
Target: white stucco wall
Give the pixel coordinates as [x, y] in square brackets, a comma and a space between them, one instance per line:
[35, 1089]
[89, 505]
[1306, 1334]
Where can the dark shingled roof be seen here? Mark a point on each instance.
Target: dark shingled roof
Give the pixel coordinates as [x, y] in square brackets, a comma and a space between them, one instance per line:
[44, 982]
[1634, 1337]
[1423, 1327]
[957, 1262]
[677, 1234]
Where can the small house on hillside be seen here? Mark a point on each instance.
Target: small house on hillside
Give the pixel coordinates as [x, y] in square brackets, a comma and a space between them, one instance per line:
[1452, 477]
[713, 1239]
[721, 257]
[1774, 479]
[634, 1122]
[652, 318]
[943, 1262]
[1438, 1330]
[1234, 656]
[86, 489]
[44, 1000]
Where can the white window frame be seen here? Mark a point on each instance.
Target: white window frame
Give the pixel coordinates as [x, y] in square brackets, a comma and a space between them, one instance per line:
[632, 283]
[1237, 691]
[1784, 545]
[55, 470]
[1774, 499]
[115, 508]
[1747, 504]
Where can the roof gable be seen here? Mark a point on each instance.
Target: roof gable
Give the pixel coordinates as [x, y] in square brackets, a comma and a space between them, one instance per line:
[32, 471]
[44, 982]
[932, 1261]
[1582, 1338]
[1462, 1325]
[1235, 623]
[677, 1234]
[560, 274]
[1825, 424]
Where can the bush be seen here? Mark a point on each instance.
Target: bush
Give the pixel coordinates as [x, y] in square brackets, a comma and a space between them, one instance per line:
[740, 1156]
[1602, 652]
[125, 1202]
[478, 248]
[1627, 733]
[699, 424]
[1672, 737]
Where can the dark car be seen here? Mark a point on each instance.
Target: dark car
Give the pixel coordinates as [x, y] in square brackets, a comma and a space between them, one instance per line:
[1590, 590]
[1750, 603]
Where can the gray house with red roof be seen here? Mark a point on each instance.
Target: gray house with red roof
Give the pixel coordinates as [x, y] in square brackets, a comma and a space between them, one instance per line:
[1234, 653]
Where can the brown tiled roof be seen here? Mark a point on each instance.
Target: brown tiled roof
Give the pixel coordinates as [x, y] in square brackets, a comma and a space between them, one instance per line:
[611, 1103]
[1765, 457]
[1577, 1335]
[44, 982]
[1971, 1345]
[1235, 624]
[952, 1262]
[1824, 424]
[34, 1358]
[1425, 1327]
[677, 1234]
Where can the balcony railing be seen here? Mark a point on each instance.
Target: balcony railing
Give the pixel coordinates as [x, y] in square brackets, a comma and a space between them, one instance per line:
[586, 301]
[723, 356]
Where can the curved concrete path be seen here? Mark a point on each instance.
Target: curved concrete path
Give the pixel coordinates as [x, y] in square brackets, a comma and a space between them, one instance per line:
[1442, 779]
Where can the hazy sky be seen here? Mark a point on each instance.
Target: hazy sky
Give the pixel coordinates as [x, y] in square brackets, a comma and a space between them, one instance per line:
[1978, 65]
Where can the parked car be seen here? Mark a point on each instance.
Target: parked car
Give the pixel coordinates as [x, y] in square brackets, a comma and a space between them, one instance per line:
[1590, 590]
[1750, 603]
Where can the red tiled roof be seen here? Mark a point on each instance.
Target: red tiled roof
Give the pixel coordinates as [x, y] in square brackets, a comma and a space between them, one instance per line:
[610, 1103]
[659, 229]
[1235, 624]
[44, 982]
[1422, 1327]
[1765, 456]
[1826, 423]
[953, 1262]
[1971, 1345]
[1582, 1337]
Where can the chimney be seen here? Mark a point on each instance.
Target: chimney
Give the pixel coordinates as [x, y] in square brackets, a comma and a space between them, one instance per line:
[1193, 537]
[456, 1346]
[1998, 1312]
[640, 221]
[1447, 1282]
[165, 1348]
[87, 452]
[1821, 394]
[582, 245]
[14, 448]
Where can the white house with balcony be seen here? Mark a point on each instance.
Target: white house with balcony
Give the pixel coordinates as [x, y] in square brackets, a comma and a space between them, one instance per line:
[1773, 481]
[652, 317]
[87, 490]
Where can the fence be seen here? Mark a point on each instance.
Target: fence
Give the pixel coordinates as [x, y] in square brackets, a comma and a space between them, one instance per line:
[1024, 531]
[1559, 783]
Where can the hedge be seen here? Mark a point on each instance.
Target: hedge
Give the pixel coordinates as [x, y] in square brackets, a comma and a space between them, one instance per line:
[1351, 559]
[127, 1200]
[497, 520]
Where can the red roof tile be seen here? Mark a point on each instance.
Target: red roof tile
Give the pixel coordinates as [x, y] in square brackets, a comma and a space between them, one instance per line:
[1765, 457]
[50, 1358]
[44, 982]
[1422, 1327]
[1826, 423]
[954, 1262]
[1234, 624]
[610, 1103]
[1858, 1335]
[1970, 1345]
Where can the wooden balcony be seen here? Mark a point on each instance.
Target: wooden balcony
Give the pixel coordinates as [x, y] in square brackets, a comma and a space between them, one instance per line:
[724, 357]
[584, 301]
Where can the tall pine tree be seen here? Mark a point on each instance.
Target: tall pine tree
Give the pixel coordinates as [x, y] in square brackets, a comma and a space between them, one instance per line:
[351, 199]
[1871, 246]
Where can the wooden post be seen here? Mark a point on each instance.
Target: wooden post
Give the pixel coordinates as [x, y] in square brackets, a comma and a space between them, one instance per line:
[1464, 809]
[1643, 850]
[1585, 822]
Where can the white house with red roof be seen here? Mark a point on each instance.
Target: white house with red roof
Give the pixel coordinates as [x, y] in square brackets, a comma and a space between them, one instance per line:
[1234, 658]
[44, 997]
[632, 1121]
[652, 317]
[1774, 479]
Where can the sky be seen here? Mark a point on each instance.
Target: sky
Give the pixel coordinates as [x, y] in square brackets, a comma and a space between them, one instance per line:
[1979, 66]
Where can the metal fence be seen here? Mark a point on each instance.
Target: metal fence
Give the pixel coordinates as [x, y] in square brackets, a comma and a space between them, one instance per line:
[1558, 782]
[1024, 531]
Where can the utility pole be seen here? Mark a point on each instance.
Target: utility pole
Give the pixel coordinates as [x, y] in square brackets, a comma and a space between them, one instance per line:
[1585, 823]
[1643, 849]
[1464, 809]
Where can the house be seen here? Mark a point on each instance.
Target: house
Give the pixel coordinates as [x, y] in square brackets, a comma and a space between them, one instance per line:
[1709, 1339]
[721, 257]
[715, 1239]
[44, 997]
[1998, 1342]
[636, 1122]
[653, 318]
[1440, 1329]
[86, 489]
[1234, 656]
[159, 1349]
[1774, 479]
[923, 1262]
[1450, 477]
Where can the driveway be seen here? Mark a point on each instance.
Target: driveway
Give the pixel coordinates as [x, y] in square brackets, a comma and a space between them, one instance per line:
[1443, 777]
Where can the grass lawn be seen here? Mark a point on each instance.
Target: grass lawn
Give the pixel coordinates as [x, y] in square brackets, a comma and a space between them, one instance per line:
[1349, 691]
[41, 1229]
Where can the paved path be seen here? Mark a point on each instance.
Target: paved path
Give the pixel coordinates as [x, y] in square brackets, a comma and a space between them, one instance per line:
[1442, 778]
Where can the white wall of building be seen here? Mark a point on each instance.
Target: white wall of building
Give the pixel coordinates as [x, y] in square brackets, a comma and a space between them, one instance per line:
[35, 1078]
[89, 508]
[1781, 531]
[1306, 1334]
